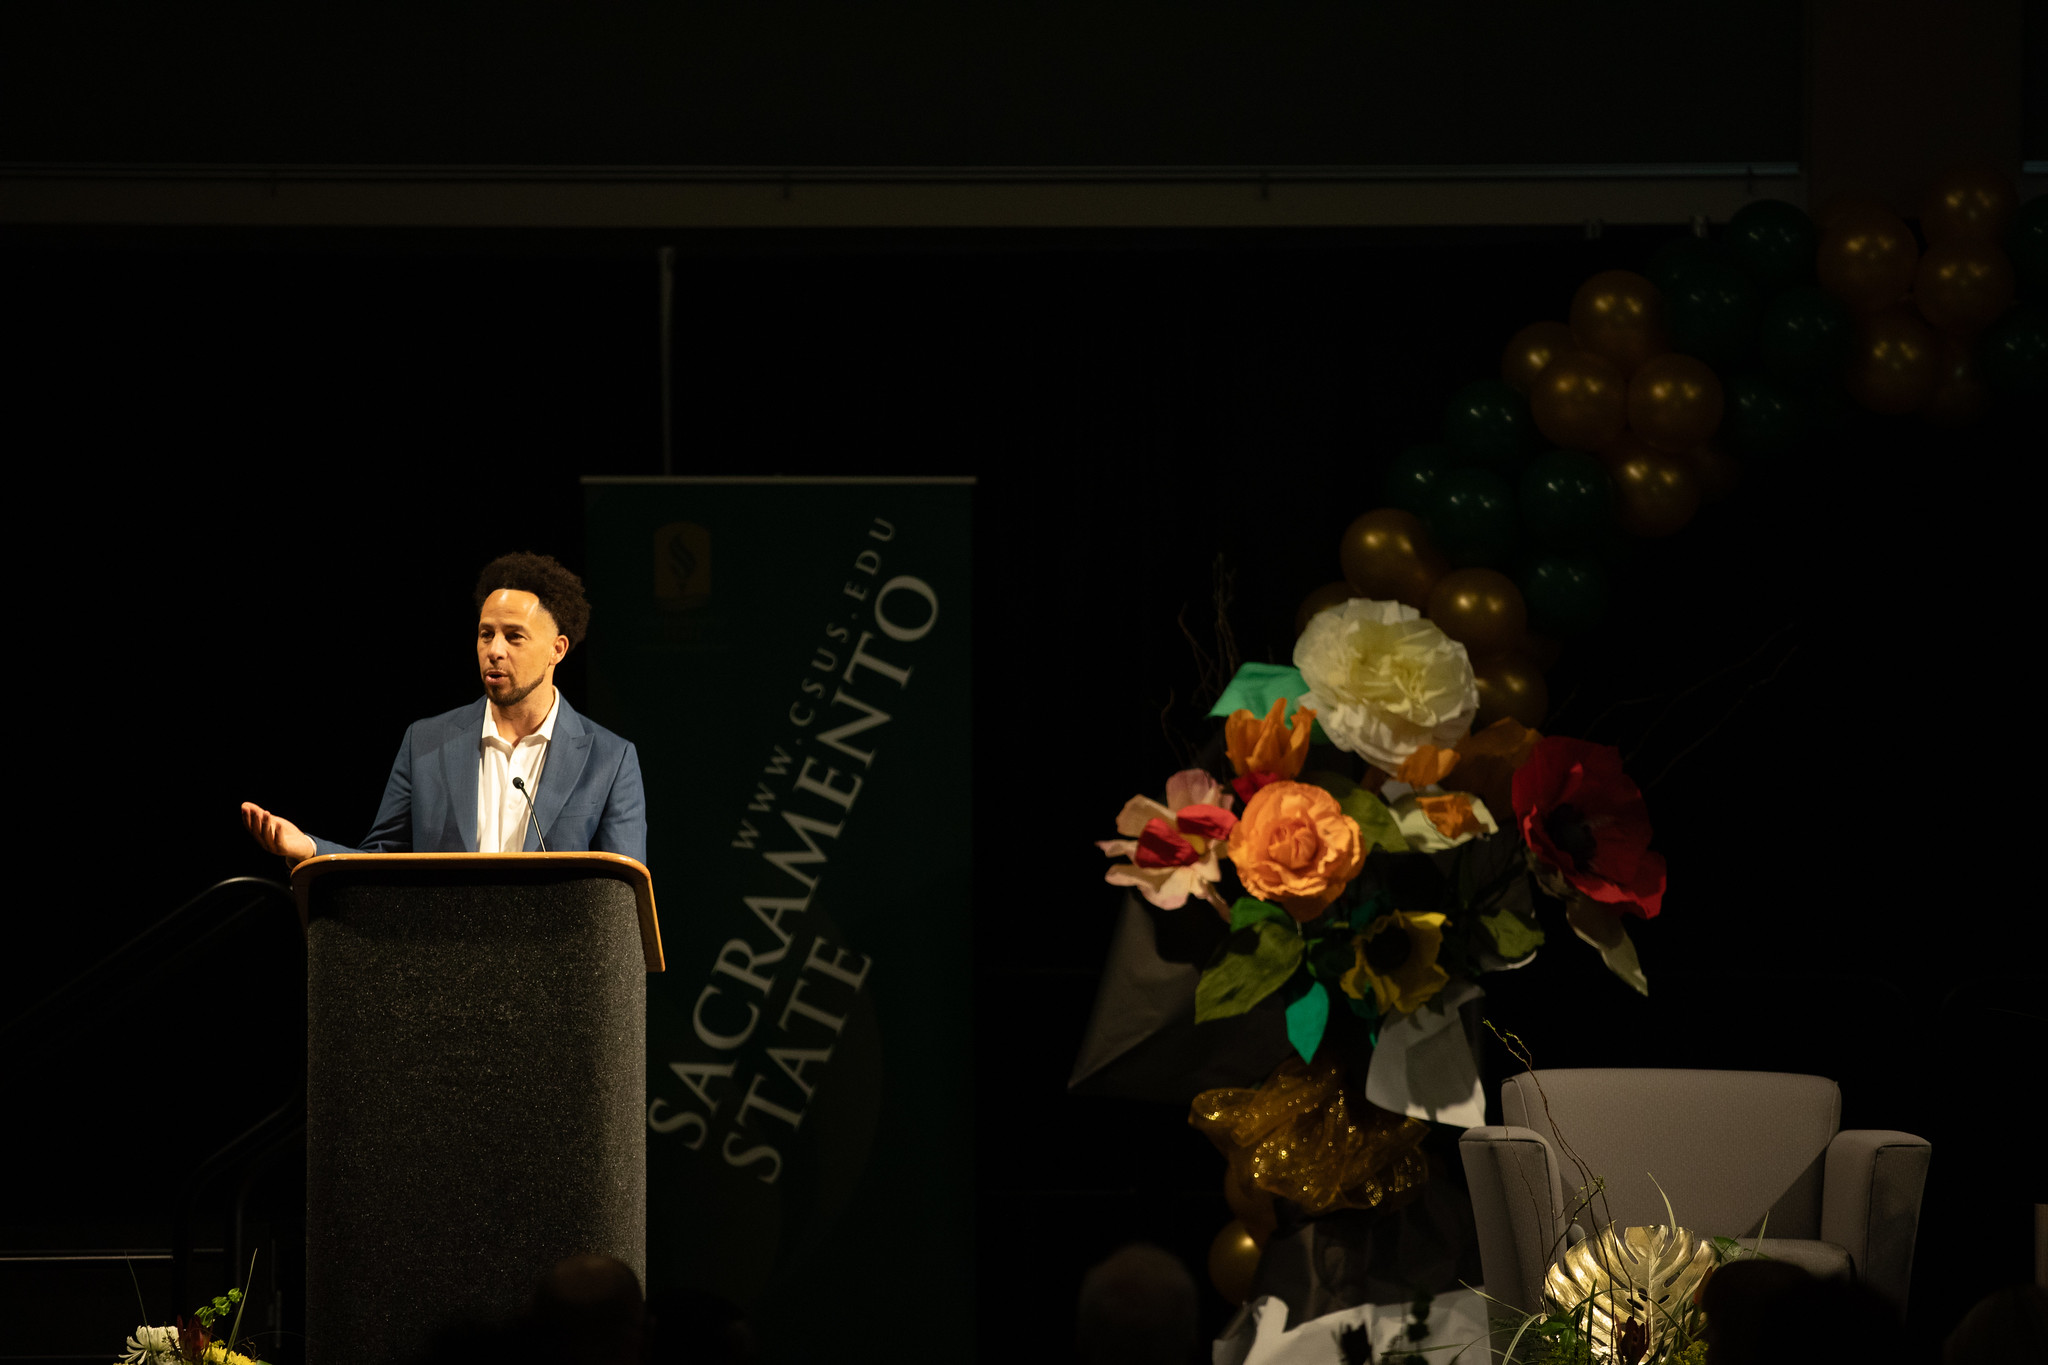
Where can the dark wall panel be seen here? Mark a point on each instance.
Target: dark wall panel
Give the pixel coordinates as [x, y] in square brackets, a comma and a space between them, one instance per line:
[797, 83]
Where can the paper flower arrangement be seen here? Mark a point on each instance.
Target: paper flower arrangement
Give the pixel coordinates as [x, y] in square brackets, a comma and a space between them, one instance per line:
[1372, 854]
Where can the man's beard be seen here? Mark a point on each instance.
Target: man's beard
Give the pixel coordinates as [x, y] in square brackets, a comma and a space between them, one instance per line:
[519, 695]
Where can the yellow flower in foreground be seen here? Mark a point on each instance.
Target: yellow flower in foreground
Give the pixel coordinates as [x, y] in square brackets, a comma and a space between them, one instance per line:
[1271, 745]
[1397, 957]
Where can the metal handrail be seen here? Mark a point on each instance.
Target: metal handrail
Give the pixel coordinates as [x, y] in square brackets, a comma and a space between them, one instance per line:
[254, 1142]
[260, 887]
[278, 1126]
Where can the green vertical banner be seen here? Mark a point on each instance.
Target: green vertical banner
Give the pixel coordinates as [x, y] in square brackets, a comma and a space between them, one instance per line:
[791, 657]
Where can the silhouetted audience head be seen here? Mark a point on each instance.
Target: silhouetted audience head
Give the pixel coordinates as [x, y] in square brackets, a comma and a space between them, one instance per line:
[2006, 1328]
[1138, 1308]
[1763, 1312]
[588, 1310]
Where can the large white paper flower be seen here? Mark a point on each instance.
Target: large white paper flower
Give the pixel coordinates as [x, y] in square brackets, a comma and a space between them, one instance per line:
[152, 1346]
[1384, 682]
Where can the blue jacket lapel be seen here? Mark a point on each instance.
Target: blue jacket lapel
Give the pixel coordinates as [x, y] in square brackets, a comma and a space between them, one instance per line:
[568, 753]
[458, 772]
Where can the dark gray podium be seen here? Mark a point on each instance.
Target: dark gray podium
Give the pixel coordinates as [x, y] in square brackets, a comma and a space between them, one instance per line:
[476, 1075]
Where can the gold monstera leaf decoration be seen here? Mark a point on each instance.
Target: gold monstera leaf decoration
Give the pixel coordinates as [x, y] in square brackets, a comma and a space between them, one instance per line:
[1637, 1289]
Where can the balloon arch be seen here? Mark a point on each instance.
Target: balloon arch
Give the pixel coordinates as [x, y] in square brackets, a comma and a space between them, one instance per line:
[1624, 420]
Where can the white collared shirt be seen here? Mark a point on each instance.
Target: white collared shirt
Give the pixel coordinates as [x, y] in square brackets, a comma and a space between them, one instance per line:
[501, 812]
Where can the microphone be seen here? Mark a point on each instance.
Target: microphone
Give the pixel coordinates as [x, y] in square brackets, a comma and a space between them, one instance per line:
[519, 785]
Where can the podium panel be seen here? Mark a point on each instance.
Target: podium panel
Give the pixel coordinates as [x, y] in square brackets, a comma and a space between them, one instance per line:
[476, 1074]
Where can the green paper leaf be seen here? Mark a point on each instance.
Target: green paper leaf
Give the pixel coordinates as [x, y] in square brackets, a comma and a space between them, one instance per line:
[1336, 784]
[1306, 1020]
[1247, 912]
[1376, 824]
[1256, 685]
[1366, 1007]
[1333, 956]
[1512, 937]
[1242, 980]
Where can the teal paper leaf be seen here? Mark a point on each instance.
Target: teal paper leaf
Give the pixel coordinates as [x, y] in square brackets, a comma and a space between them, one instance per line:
[1254, 687]
[1306, 1020]
[1241, 980]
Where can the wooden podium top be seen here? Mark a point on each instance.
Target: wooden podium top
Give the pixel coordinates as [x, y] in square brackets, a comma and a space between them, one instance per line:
[616, 865]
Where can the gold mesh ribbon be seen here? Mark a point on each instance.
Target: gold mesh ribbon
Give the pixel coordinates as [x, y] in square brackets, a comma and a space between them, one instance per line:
[1301, 1137]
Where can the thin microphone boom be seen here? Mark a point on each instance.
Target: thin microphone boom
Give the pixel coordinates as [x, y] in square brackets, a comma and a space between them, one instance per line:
[519, 785]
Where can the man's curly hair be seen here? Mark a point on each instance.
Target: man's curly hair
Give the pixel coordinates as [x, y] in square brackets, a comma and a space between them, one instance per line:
[560, 592]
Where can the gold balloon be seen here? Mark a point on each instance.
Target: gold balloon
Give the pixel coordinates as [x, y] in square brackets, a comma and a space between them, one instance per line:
[1511, 685]
[1892, 369]
[1658, 492]
[1714, 469]
[1674, 402]
[1867, 257]
[1530, 349]
[1233, 1261]
[1620, 315]
[1252, 1205]
[1386, 555]
[1959, 395]
[1329, 595]
[1969, 204]
[1963, 286]
[1481, 609]
[1580, 401]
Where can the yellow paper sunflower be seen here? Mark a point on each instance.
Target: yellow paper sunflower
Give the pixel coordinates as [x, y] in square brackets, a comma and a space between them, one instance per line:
[1397, 958]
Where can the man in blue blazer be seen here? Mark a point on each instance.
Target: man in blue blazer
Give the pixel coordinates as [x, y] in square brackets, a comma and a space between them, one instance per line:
[516, 770]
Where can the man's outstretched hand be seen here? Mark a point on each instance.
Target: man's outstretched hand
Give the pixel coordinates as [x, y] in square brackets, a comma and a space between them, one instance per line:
[277, 834]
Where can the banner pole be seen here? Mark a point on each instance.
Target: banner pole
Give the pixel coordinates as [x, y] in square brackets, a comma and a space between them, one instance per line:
[667, 257]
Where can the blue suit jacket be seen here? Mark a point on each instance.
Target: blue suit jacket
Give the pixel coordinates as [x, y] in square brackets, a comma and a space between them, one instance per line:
[589, 795]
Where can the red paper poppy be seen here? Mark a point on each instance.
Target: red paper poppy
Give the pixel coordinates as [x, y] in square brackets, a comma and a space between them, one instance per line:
[1581, 814]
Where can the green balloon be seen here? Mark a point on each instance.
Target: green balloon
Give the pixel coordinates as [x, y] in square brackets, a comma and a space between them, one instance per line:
[1712, 312]
[1411, 482]
[1566, 594]
[1760, 417]
[1488, 424]
[1567, 499]
[1774, 243]
[2013, 354]
[2030, 249]
[1671, 262]
[1473, 519]
[1806, 334]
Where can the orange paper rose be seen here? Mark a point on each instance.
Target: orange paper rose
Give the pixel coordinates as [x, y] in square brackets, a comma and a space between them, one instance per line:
[1295, 847]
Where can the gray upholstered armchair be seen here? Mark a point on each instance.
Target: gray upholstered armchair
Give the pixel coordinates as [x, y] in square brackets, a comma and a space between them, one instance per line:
[1728, 1147]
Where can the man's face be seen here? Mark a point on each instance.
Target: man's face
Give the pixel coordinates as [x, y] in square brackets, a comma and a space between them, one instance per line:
[517, 645]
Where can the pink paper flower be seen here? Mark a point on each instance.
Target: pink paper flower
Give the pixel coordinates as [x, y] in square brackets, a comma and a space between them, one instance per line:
[1172, 846]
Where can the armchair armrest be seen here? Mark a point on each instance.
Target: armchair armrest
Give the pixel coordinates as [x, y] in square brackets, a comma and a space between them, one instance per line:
[1870, 1204]
[1518, 1204]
